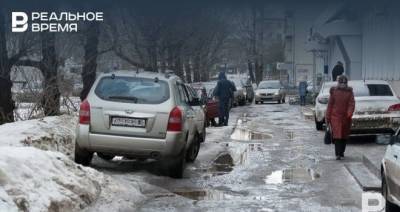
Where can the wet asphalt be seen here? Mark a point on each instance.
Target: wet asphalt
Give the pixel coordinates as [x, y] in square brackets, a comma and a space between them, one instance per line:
[284, 167]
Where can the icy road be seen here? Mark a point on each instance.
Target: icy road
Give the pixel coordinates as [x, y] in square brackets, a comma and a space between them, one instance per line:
[270, 158]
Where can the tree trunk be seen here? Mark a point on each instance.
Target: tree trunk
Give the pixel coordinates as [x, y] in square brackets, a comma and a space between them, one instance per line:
[6, 102]
[90, 63]
[196, 70]
[251, 73]
[259, 71]
[179, 67]
[188, 72]
[49, 68]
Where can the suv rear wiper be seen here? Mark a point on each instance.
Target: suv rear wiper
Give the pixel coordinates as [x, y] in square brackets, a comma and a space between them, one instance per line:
[135, 99]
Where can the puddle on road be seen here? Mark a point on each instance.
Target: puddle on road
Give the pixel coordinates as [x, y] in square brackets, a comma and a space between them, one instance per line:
[297, 175]
[223, 163]
[243, 134]
[206, 194]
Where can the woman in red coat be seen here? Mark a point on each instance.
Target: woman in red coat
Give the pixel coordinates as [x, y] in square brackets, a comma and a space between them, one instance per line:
[339, 114]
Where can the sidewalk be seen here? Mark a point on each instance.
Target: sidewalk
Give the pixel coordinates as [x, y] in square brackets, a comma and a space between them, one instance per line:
[308, 111]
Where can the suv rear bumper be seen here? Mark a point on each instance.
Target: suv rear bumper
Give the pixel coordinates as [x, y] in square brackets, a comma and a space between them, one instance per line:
[171, 145]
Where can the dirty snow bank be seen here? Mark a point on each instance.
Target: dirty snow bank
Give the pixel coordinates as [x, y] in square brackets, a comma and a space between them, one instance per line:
[38, 180]
[55, 133]
[44, 178]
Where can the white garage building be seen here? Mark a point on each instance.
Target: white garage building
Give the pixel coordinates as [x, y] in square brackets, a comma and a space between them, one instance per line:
[366, 38]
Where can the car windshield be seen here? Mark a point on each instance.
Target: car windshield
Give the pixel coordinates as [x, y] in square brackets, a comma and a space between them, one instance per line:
[133, 90]
[269, 85]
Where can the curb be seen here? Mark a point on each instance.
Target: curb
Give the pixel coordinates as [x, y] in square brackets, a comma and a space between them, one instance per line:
[364, 179]
[371, 166]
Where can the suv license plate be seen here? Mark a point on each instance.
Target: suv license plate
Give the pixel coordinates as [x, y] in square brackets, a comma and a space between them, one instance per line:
[128, 122]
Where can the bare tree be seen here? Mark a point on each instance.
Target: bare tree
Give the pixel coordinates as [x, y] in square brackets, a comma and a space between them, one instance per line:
[90, 58]
[8, 58]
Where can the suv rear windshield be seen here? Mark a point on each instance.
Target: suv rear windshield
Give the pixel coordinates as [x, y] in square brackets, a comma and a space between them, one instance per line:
[379, 90]
[133, 90]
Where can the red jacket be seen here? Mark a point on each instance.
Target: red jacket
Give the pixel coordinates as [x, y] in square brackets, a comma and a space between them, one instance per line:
[340, 111]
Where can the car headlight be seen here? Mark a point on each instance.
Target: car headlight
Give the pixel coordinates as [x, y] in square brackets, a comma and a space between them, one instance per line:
[277, 93]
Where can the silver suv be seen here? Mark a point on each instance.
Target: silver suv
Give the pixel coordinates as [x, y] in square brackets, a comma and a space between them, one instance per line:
[139, 115]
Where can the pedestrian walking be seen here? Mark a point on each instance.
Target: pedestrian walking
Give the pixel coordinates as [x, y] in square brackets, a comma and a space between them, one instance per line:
[303, 92]
[337, 70]
[224, 92]
[339, 114]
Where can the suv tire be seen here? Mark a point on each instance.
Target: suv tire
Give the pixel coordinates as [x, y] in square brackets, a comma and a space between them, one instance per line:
[193, 150]
[105, 156]
[177, 166]
[82, 156]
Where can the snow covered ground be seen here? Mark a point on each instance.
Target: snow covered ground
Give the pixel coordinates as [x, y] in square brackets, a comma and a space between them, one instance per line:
[37, 173]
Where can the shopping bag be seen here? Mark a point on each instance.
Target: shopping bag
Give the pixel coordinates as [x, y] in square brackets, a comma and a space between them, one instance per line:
[328, 135]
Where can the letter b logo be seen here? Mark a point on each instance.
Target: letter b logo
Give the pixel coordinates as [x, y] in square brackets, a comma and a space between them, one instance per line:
[19, 22]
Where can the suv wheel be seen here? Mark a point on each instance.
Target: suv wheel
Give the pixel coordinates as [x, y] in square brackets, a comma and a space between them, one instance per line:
[82, 156]
[105, 156]
[390, 207]
[193, 150]
[280, 101]
[203, 135]
[177, 166]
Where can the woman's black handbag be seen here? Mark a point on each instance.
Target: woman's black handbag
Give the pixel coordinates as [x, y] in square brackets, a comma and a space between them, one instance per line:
[328, 135]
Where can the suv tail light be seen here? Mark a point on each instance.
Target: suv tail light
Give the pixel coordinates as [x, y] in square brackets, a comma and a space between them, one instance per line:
[84, 113]
[175, 120]
[395, 107]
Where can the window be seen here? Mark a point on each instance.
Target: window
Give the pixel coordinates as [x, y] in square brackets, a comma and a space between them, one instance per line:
[379, 90]
[133, 90]
[182, 93]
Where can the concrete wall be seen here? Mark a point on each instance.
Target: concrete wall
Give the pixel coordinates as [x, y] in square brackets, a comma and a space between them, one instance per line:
[381, 44]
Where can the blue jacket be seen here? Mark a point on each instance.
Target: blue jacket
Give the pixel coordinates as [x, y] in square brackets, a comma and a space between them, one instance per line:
[303, 88]
[224, 89]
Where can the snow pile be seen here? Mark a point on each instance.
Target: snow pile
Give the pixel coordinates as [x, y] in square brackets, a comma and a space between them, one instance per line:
[55, 133]
[38, 180]
[37, 175]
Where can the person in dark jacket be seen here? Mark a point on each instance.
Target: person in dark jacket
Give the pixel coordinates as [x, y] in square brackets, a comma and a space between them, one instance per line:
[303, 92]
[224, 92]
[337, 70]
[339, 114]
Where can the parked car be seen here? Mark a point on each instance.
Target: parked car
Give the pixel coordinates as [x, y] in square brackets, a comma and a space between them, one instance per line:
[377, 108]
[390, 169]
[270, 90]
[248, 91]
[211, 104]
[200, 111]
[239, 96]
[139, 115]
